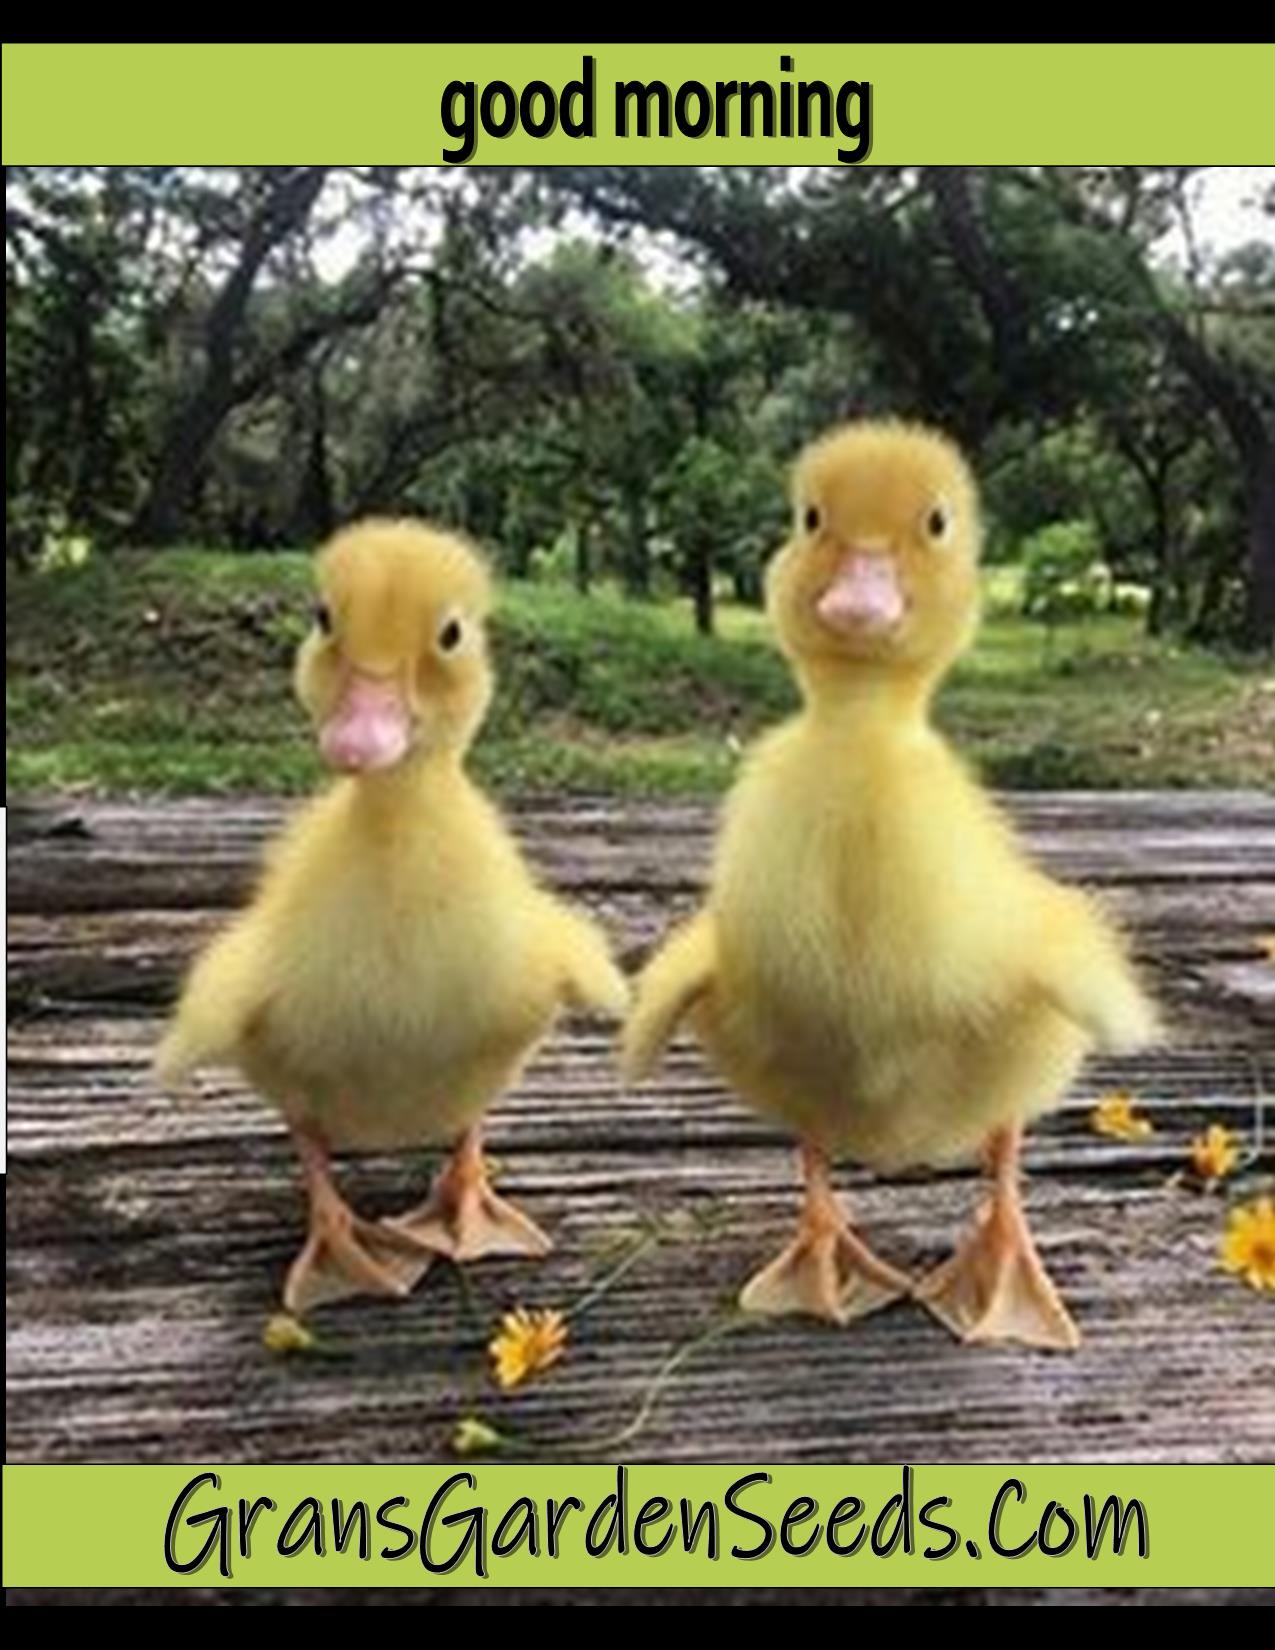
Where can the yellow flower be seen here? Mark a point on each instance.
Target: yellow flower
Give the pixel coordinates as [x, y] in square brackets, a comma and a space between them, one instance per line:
[284, 1333]
[1215, 1152]
[1266, 945]
[1248, 1245]
[1113, 1115]
[526, 1342]
[475, 1437]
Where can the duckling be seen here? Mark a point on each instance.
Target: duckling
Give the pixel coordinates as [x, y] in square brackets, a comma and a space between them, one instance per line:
[878, 966]
[398, 963]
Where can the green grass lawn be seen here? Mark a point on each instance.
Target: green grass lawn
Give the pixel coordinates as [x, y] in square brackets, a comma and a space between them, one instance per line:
[145, 673]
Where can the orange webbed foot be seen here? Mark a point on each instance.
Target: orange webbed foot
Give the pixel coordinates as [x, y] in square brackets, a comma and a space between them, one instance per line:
[827, 1271]
[828, 1275]
[344, 1255]
[995, 1287]
[464, 1218]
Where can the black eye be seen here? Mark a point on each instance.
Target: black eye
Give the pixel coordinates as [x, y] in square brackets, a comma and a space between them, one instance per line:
[323, 617]
[812, 519]
[449, 636]
[936, 522]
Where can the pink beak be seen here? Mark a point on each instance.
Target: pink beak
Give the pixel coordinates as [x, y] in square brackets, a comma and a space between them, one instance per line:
[370, 728]
[864, 595]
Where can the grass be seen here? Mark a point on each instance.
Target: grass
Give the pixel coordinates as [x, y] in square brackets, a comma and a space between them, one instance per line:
[170, 673]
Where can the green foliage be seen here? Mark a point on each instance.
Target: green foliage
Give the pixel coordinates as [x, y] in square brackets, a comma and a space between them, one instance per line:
[1064, 576]
[724, 512]
[613, 367]
[171, 673]
[1017, 305]
[1070, 474]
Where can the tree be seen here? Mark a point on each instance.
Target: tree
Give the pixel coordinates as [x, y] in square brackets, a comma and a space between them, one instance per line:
[1195, 322]
[263, 214]
[74, 356]
[253, 354]
[981, 296]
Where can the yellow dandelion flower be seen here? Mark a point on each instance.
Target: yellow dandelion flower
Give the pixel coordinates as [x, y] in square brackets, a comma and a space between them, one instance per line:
[474, 1437]
[1113, 1115]
[527, 1342]
[1248, 1244]
[1215, 1152]
[284, 1333]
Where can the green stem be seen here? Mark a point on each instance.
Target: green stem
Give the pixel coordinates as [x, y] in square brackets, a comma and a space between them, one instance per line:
[641, 1248]
[732, 1320]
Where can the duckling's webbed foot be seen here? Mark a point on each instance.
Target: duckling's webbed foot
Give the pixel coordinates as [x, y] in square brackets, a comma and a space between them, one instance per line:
[995, 1287]
[826, 1271]
[463, 1217]
[344, 1254]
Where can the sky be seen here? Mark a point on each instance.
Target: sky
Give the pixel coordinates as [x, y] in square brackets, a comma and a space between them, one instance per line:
[1226, 216]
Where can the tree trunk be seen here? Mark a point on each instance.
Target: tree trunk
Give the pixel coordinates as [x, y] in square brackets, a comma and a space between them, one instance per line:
[702, 585]
[584, 556]
[637, 557]
[315, 513]
[1259, 477]
[997, 293]
[1154, 474]
[198, 418]
[188, 438]
[1246, 425]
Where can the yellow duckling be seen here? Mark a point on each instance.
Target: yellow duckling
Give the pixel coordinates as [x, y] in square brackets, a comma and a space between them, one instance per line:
[399, 963]
[878, 966]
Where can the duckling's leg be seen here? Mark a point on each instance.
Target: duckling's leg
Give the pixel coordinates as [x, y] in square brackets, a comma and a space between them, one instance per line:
[826, 1270]
[463, 1217]
[343, 1254]
[995, 1287]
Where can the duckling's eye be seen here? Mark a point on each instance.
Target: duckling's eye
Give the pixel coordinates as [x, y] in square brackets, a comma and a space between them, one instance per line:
[323, 617]
[812, 518]
[450, 636]
[937, 522]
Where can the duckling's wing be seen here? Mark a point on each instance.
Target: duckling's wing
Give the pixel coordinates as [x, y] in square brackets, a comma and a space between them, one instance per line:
[591, 979]
[1084, 968]
[680, 973]
[219, 997]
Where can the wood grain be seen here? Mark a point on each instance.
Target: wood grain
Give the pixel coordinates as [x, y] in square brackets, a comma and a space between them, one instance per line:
[146, 1238]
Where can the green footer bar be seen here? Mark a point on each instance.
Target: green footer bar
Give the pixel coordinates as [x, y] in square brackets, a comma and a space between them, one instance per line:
[639, 1526]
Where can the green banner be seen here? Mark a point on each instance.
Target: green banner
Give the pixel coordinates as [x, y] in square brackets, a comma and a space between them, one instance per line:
[558, 104]
[639, 1526]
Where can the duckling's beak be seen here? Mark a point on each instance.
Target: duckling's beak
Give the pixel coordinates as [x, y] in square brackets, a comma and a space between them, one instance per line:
[370, 728]
[864, 594]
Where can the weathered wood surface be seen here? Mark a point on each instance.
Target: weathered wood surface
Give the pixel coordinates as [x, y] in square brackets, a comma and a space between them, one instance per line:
[147, 1239]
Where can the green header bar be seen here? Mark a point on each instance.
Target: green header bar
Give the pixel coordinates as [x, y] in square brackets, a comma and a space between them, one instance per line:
[640, 1526]
[925, 104]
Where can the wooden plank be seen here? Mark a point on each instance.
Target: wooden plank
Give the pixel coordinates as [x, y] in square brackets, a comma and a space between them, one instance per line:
[144, 1278]
[69, 958]
[147, 1237]
[95, 1093]
[191, 855]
